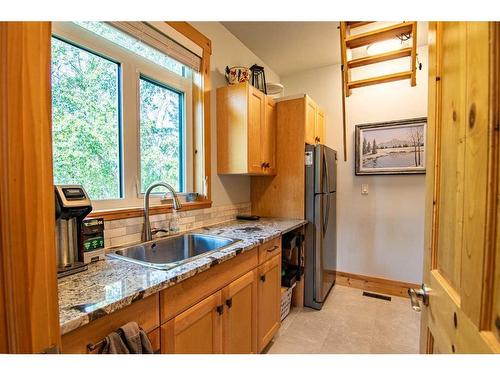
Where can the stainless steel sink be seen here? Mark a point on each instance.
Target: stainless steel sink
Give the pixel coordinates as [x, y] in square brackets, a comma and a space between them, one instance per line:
[170, 252]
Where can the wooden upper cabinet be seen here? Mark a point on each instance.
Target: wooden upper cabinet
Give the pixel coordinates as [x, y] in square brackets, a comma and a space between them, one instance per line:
[268, 136]
[315, 123]
[320, 131]
[311, 109]
[198, 330]
[245, 131]
[269, 297]
[239, 322]
[256, 124]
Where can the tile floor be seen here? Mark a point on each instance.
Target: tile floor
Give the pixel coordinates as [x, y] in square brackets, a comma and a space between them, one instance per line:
[350, 323]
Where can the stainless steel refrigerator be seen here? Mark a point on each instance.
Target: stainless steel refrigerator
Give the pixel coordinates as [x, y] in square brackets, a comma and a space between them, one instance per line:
[321, 232]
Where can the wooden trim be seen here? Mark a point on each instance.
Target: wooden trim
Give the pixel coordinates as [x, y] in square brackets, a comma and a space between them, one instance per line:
[375, 284]
[491, 234]
[364, 39]
[126, 213]
[345, 74]
[432, 171]
[414, 54]
[356, 63]
[194, 35]
[380, 79]
[354, 24]
[27, 225]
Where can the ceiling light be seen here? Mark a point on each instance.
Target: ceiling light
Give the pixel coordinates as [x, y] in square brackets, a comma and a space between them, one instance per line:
[384, 46]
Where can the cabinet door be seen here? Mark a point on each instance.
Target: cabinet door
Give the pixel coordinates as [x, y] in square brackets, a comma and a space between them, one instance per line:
[269, 301]
[320, 127]
[310, 121]
[239, 323]
[197, 330]
[268, 140]
[256, 121]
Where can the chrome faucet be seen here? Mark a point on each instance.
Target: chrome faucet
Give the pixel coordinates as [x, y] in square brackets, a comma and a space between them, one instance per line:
[147, 235]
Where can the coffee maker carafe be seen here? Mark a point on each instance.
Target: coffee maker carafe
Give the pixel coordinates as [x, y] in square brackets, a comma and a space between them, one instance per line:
[72, 206]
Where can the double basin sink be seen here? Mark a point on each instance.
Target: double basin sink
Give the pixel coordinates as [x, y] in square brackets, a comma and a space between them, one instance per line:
[170, 252]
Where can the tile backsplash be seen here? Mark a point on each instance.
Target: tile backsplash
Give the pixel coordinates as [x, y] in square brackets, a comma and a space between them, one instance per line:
[125, 231]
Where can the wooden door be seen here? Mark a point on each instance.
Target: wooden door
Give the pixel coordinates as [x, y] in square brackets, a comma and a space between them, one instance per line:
[268, 140]
[197, 330]
[256, 121]
[462, 186]
[29, 317]
[239, 322]
[320, 131]
[269, 301]
[310, 121]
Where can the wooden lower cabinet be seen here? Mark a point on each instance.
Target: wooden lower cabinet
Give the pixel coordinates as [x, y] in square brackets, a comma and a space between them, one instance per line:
[231, 308]
[225, 322]
[145, 312]
[198, 330]
[269, 297]
[239, 321]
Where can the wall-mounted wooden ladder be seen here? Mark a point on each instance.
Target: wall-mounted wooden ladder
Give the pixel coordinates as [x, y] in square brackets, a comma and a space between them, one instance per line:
[348, 41]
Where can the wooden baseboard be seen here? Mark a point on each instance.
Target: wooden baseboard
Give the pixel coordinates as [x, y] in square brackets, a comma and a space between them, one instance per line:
[375, 284]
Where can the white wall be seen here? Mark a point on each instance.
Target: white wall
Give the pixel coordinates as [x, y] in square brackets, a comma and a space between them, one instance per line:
[227, 50]
[379, 234]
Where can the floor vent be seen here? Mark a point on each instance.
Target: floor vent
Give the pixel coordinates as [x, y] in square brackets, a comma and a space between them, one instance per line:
[375, 295]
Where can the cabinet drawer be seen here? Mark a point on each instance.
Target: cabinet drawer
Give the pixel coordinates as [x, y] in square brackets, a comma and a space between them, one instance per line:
[145, 312]
[269, 249]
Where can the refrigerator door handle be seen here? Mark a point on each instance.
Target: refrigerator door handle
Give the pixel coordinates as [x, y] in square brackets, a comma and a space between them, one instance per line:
[327, 173]
[327, 214]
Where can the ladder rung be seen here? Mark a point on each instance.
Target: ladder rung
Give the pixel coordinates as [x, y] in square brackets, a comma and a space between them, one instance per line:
[353, 24]
[380, 79]
[390, 32]
[355, 63]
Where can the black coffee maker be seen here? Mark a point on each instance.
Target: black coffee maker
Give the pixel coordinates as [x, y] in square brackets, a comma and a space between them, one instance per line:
[72, 206]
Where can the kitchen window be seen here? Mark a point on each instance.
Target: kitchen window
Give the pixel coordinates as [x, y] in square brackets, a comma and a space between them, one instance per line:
[122, 114]
[86, 136]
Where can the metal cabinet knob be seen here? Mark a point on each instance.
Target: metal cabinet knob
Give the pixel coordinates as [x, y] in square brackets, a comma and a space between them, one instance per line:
[415, 295]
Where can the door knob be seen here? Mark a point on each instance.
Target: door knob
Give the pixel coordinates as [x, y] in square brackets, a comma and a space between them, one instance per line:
[415, 295]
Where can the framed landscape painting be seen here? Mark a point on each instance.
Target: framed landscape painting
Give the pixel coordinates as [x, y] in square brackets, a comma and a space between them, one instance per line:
[395, 147]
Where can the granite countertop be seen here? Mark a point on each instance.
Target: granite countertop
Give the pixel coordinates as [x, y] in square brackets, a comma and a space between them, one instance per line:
[112, 284]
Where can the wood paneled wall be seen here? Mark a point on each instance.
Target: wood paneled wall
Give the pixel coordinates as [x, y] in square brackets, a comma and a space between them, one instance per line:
[27, 220]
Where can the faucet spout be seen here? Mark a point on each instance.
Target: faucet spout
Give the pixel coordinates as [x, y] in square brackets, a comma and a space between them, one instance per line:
[147, 235]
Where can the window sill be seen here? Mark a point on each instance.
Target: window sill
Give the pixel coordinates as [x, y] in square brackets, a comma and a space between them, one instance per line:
[125, 213]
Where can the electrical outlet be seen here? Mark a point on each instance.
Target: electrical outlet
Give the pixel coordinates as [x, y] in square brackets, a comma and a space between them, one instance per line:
[364, 189]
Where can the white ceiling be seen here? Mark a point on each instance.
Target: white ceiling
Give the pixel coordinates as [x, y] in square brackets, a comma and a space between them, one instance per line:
[291, 47]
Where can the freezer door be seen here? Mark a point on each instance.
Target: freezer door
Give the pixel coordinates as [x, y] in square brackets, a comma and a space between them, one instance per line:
[325, 246]
[325, 170]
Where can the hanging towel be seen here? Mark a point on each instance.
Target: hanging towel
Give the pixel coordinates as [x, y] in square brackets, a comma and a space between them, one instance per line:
[136, 339]
[113, 344]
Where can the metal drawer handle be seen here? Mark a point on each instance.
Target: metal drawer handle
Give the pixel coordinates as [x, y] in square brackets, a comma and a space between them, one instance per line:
[270, 250]
[263, 278]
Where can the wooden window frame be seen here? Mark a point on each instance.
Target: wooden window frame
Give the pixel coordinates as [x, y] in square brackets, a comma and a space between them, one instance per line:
[201, 137]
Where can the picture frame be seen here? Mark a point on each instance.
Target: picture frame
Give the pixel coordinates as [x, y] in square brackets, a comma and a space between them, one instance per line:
[391, 148]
